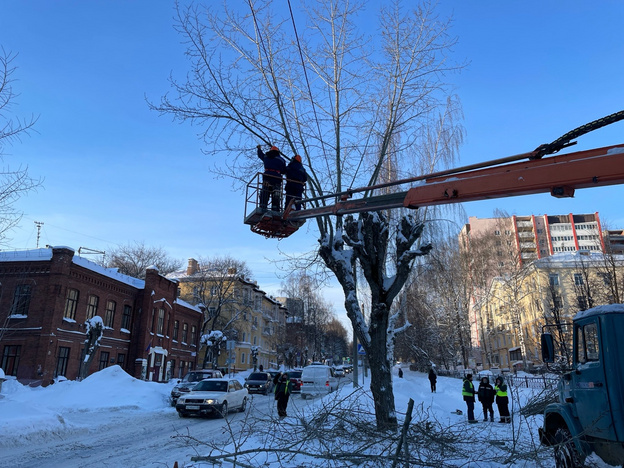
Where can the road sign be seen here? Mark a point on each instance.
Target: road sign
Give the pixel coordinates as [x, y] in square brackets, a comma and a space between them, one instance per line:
[361, 349]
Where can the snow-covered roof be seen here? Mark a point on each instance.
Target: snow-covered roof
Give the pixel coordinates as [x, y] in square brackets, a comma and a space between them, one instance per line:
[603, 309]
[45, 254]
[187, 305]
[563, 259]
[35, 255]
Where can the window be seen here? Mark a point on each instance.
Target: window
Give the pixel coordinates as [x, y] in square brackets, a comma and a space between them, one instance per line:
[193, 334]
[515, 355]
[121, 360]
[214, 290]
[109, 314]
[606, 278]
[71, 302]
[21, 300]
[126, 318]
[557, 302]
[582, 302]
[92, 306]
[578, 279]
[497, 233]
[61, 361]
[104, 355]
[242, 358]
[161, 321]
[507, 232]
[587, 345]
[554, 279]
[176, 329]
[184, 332]
[10, 359]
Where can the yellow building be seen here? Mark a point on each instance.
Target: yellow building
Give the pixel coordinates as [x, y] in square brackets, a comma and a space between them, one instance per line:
[550, 290]
[252, 323]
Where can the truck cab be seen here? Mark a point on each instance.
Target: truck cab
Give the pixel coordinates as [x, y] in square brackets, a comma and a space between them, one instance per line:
[589, 416]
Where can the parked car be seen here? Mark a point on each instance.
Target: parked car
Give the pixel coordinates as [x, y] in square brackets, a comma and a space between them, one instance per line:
[190, 380]
[259, 382]
[317, 379]
[295, 378]
[274, 373]
[213, 397]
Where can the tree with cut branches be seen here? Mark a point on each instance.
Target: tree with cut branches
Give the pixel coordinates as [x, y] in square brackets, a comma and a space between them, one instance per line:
[360, 109]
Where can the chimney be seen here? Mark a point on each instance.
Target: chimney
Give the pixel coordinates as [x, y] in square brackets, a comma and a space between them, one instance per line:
[192, 267]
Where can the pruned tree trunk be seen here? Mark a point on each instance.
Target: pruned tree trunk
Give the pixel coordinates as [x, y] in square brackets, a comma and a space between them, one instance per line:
[95, 331]
[365, 244]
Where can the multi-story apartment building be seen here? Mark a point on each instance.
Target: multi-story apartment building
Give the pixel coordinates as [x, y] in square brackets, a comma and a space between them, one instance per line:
[46, 296]
[533, 237]
[507, 243]
[252, 322]
[550, 290]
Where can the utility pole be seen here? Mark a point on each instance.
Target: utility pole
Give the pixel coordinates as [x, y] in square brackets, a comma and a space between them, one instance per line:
[38, 224]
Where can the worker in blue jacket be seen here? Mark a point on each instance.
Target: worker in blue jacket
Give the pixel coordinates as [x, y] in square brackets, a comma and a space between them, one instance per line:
[296, 178]
[274, 168]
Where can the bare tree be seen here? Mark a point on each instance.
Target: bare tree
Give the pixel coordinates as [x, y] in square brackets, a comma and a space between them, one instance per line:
[133, 259]
[311, 319]
[216, 290]
[359, 109]
[336, 342]
[14, 182]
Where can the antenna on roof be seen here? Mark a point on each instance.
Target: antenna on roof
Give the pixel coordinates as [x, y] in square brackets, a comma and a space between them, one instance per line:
[88, 251]
[38, 224]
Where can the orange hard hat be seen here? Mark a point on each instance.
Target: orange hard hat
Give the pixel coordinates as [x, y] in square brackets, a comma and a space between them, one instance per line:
[274, 148]
[297, 158]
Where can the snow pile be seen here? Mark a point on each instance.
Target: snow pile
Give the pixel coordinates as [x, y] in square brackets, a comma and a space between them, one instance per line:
[26, 410]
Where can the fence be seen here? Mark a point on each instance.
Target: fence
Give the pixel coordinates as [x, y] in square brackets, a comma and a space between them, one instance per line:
[523, 381]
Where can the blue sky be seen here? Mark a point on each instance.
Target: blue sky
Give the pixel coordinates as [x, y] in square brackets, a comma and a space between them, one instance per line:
[116, 172]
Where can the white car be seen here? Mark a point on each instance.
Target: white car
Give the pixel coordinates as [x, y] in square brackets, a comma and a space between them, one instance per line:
[213, 396]
[317, 379]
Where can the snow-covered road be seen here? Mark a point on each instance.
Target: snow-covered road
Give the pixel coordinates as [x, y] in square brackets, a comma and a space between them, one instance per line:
[122, 438]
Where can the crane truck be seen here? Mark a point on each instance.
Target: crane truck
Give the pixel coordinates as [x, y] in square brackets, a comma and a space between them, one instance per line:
[589, 416]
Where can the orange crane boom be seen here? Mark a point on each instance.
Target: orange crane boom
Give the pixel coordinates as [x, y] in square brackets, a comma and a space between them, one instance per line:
[560, 175]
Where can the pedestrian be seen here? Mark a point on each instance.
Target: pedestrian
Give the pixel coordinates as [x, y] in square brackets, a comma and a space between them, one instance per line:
[502, 401]
[433, 378]
[486, 397]
[468, 391]
[296, 178]
[400, 373]
[274, 167]
[282, 393]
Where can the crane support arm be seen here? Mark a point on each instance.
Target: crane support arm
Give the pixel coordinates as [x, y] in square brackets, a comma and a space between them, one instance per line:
[560, 175]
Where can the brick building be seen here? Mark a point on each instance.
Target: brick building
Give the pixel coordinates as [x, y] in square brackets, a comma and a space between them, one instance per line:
[46, 295]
